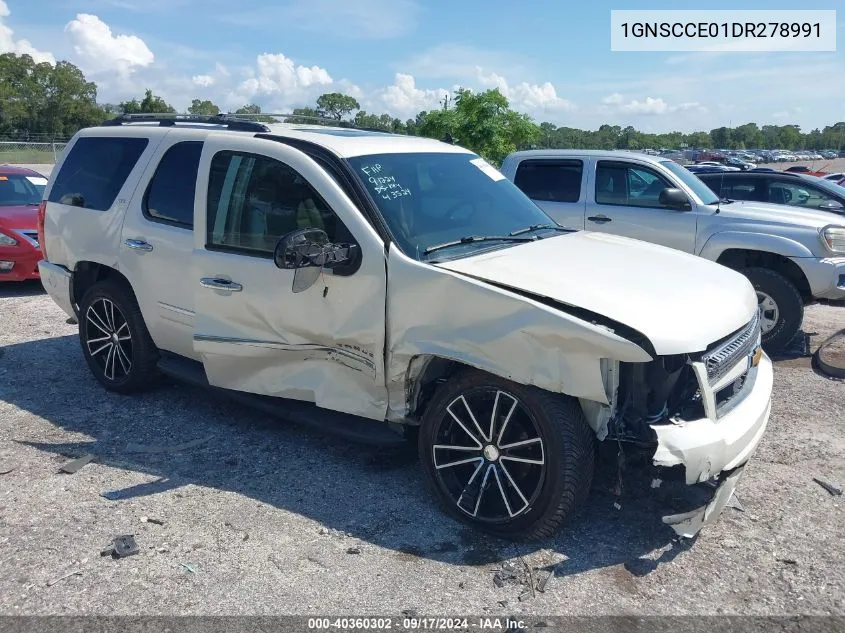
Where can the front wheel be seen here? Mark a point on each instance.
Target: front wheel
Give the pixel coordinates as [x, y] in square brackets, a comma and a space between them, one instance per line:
[781, 307]
[508, 459]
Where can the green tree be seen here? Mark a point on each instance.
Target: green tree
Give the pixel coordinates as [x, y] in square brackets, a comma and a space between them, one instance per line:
[44, 100]
[203, 107]
[150, 104]
[254, 111]
[484, 123]
[335, 105]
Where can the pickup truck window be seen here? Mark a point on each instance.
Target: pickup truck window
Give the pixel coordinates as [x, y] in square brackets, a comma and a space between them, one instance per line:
[95, 171]
[434, 198]
[550, 180]
[628, 185]
[795, 194]
[254, 200]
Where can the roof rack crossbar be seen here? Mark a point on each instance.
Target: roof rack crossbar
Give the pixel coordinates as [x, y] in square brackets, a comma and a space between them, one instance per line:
[232, 122]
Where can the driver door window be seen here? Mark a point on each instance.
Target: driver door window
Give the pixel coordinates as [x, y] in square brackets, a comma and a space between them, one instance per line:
[628, 186]
[255, 200]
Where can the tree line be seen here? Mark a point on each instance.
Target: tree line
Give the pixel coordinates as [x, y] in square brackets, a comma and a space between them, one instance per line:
[42, 101]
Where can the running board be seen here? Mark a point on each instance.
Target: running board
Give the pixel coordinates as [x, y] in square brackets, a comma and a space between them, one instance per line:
[351, 427]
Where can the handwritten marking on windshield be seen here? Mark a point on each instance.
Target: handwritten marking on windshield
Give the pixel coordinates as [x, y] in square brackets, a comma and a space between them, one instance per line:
[384, 186]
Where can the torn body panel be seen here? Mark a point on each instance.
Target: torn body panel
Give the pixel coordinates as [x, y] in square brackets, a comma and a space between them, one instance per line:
[434, 312]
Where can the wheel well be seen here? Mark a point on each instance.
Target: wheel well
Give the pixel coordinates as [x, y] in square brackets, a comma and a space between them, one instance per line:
[86, 274]
[737, 258]
[425, 374]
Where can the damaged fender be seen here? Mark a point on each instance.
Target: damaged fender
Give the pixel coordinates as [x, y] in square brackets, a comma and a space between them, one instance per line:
[434, 312]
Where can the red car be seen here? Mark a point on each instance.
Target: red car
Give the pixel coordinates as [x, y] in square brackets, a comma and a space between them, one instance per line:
[20, 194]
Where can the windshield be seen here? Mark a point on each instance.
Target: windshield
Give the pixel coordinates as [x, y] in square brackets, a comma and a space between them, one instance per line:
[692, 181]
[17, 190]
[430, 199]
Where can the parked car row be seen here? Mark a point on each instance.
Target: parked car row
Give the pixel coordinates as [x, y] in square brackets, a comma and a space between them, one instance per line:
[405, 284]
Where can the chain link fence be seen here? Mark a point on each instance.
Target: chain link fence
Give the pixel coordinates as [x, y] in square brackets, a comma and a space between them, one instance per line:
[30, 152]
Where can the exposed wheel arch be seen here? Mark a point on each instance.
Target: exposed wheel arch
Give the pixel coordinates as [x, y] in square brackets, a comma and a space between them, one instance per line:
[737, 258]
[86, 274]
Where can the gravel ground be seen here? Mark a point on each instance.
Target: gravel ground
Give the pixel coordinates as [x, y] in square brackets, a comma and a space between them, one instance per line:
[262, 517]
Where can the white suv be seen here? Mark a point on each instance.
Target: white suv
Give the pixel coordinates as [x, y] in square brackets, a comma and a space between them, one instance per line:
[370, 282]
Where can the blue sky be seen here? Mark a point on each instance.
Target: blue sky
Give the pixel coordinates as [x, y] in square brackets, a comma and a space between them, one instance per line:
[553, 61]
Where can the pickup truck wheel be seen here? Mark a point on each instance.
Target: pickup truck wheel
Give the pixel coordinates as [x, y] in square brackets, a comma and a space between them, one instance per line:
[114, 338]
[508, 459]
[781, 306]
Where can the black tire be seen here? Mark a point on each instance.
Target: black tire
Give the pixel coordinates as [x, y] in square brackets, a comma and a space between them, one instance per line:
[138, 349]
[790, 305]
[567, 450]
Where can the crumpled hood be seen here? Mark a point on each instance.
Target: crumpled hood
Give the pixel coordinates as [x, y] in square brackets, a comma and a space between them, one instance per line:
[681, 302]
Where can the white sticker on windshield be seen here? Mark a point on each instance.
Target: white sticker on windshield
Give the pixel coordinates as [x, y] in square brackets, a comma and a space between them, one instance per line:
[487, 168]
[37, 180]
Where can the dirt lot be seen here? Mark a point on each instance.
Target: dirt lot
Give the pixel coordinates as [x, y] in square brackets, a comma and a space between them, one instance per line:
[263, 517]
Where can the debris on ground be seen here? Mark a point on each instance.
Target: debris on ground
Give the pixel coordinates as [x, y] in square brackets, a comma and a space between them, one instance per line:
[151, 520]
[353, 550]
[276, 562]
[167, 448]
[76, 572]
[833, 489]
[190, 568]
[121, 547]
[525, 595]
[735, 503]
[112, 495]
[541, 586]
[75, 464]
[655, 483]
[7, 467]
[409, 613]
[617, 506]
[787, 561]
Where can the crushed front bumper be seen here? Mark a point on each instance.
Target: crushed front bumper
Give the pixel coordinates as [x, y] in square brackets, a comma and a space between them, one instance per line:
[716, 449]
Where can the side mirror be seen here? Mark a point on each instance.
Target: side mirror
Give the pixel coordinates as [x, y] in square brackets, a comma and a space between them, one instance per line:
[832, 205]
[308, 252]
[674, 199]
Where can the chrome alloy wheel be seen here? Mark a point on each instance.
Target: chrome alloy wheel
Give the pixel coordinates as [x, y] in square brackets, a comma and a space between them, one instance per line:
[489, 455]
[108, 339]
[769, 312]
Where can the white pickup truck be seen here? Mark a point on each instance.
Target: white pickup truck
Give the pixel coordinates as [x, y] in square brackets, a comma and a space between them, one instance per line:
[792, 256]
[369, 283]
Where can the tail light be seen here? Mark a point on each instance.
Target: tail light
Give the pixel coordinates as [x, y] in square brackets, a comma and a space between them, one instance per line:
[42, 213]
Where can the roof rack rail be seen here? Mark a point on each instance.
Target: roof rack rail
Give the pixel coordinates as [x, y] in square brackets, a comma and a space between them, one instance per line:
[232, 122]
[307, 118]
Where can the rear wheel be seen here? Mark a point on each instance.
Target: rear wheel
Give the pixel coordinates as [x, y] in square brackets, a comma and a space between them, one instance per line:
[114, 338]
[507, 459]
[781, 307]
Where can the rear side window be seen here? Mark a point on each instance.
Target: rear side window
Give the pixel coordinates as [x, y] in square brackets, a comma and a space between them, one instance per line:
[170, 196]
[551, 181]
[95, 170]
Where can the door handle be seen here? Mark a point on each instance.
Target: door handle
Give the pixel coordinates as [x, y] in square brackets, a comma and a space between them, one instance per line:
[600, 219]
[215, 283]
[138, 245]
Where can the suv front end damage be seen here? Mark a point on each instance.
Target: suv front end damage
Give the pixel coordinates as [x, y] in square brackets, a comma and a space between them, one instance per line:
[704, 412]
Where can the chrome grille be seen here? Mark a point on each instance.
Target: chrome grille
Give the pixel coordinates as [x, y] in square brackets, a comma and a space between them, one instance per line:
[724, 356]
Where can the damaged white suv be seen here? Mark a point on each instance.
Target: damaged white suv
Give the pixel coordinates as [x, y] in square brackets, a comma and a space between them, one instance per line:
[368, 283]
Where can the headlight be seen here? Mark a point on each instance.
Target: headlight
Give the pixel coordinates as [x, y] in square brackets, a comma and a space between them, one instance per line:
[5, 240]
[834, 238]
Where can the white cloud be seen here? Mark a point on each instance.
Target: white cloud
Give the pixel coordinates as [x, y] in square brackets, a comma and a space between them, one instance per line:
[98, 51]
[8, 44]
[362, 19]
[532, 98]
[203, 81]
[648, 106]
[279, 80]
[404, 99]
